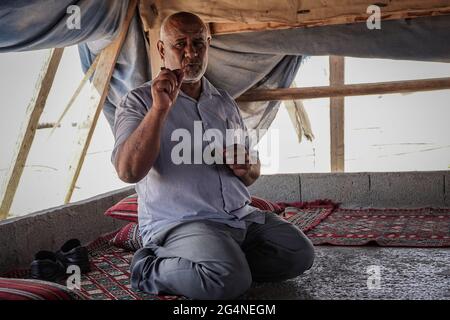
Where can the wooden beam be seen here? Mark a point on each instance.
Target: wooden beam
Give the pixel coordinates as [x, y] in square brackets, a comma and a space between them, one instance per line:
[253, 15]
[218, 28]
[225, 10]
[291, 108]
[337, 78]
[155, 58]
[299, 118]
[152, 18]
[26, 137]
[346, 90]
[48, 125]
[101, 80]
[83, 81]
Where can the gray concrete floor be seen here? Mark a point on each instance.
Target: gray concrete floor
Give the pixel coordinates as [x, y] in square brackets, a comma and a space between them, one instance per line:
[341, 273]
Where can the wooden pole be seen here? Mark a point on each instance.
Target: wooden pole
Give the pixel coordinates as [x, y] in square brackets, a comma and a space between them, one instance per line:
[299, 118]
[153, 25]
[155, 59]
[102, 77]
[26, 137]
[83, 81]
[337, 78]
[48, 125]
[346, 90]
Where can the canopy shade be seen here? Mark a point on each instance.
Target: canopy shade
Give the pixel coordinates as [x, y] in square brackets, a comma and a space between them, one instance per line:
[238, 62]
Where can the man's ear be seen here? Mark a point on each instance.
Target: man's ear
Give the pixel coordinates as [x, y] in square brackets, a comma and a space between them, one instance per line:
[160, 46]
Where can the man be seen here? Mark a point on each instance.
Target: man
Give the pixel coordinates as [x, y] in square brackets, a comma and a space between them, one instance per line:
[201, 237]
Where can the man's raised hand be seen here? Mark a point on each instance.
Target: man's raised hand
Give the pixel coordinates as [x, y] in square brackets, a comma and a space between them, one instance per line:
[165, 88]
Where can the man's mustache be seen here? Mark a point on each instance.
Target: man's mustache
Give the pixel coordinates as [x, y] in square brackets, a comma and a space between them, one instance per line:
[187, 62]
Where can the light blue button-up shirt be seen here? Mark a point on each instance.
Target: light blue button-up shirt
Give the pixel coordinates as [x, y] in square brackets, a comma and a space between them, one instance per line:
[173, 193]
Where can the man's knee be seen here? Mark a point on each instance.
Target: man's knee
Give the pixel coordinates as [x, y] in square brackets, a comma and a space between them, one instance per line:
[283, 253]
[299, 260]
[306, 257]
[302, 259]
[224, 285]
[140, 268]
[204, 280]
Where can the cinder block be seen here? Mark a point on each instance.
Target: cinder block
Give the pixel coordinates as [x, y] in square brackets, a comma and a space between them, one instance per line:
[122, 193]
[22, 237]
[447, 188]
[8, 255]
[407, 189]
[345, 188]
[277, 187]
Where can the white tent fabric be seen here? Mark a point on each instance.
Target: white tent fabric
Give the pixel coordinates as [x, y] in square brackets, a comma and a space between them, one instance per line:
[238, 62]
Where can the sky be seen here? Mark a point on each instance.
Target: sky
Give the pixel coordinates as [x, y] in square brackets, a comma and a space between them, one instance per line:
[397, 132]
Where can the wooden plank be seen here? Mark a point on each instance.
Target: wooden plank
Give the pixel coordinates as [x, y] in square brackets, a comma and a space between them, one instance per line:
[291, 108]
[26, 137]
[152, 19]
[299, 118]
[83, 81]
[271, 14]
[224, 10]
[337, 78]
[218, 28]
[155, 58]
[346, 90]
[101, 80]
[48, 125]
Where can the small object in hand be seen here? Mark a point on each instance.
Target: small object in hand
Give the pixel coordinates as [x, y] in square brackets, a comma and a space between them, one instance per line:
[235, 154]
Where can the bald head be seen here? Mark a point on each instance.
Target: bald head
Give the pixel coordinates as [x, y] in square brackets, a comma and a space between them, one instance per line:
[182, 21]
[184, 42]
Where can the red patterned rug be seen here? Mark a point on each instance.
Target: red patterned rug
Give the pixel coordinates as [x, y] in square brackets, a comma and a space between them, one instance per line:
[306, 215]
[424, 227]
[109, 278]
[322, 221]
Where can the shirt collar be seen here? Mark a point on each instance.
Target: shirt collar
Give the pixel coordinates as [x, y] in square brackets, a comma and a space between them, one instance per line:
[208, 90]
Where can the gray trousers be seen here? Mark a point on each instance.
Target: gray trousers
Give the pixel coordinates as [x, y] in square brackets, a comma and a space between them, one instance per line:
[210, 260]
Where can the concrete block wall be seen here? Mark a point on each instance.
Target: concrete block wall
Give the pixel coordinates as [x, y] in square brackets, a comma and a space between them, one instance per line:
[366, 189]
[447, 188]
[22, 237]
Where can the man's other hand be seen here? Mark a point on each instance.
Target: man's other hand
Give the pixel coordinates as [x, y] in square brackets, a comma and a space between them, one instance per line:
[237, 158]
